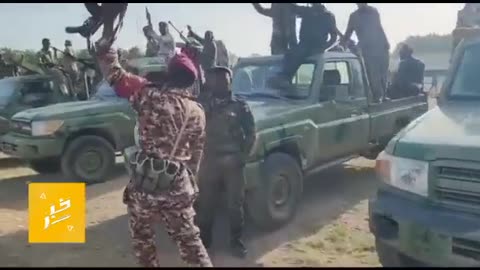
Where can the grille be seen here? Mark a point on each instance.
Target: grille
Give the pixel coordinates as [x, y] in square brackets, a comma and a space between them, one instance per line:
[466, 248]
[458, 186]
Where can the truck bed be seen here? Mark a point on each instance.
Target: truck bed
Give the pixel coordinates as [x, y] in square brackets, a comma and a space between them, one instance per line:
[392, 115]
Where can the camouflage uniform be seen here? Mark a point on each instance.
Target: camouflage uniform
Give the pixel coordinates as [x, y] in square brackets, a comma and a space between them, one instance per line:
[230, 136]
[161, 112]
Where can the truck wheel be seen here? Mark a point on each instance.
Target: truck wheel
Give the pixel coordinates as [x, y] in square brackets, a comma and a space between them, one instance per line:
[88, 158]
[44, 166]
[274, 201]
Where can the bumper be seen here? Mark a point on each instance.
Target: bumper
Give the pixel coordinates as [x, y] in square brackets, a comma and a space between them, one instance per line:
[426, 233]
[26, 147]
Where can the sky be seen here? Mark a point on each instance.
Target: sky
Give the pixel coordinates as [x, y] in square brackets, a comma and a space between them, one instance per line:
[242, 29]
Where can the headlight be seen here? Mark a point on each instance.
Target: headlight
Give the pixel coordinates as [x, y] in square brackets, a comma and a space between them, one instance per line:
[45, 128]
[406, 174]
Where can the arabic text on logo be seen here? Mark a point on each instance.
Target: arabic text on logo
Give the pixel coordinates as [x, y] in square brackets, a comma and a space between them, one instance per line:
[56, 212]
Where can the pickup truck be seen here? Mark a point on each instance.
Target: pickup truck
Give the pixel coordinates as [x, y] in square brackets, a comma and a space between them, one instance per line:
[432, 168]
[30, 91]
[324, 118]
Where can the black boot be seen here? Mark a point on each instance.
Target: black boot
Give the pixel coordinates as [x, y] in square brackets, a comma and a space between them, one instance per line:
[88, 28]
[238, 248]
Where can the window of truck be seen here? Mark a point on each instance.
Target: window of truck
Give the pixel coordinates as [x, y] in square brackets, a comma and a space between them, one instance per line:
[253, 80]
[466, 83]
[336, 79]
[7, 89]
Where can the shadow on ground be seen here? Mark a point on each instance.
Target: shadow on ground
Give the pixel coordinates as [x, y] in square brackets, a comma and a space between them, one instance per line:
[14, 191]
[327, 195]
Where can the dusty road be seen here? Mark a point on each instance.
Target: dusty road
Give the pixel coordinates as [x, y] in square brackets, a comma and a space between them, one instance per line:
[328, 195]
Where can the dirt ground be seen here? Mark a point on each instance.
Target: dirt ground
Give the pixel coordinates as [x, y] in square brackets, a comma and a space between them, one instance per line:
[330, 229]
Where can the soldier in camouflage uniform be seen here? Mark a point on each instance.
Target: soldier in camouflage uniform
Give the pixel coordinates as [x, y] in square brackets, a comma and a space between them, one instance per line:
[230, 136]
[171, 138]
[46, 57]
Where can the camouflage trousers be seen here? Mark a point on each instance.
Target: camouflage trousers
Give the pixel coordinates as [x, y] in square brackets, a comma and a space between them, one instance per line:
[175, 208]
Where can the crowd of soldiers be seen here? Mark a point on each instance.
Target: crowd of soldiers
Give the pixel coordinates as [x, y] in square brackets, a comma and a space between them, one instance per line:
[318, 32]
[192, 145]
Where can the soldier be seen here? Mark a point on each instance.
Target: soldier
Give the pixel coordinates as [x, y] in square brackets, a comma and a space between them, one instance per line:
[69, 62]
[165, 41]
[152, 45]
[284, 34]
[171, 138]
[208, 58]
[374, 46]
[408, 80]
[46, 58]
[317, 25]
[230, 136]
[222, 54]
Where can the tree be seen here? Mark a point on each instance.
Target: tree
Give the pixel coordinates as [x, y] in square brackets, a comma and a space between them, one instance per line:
[133, 53]
[432, 43]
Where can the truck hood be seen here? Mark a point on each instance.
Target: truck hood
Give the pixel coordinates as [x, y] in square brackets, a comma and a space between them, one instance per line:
[451, 131]
[70, 110]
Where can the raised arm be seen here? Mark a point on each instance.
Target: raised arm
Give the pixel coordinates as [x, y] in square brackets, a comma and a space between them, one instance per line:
[264, 11]
[124, 83]
[196, 36]
[348, 33]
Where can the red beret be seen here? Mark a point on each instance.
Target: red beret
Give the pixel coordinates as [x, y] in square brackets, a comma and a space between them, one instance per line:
[181, 61]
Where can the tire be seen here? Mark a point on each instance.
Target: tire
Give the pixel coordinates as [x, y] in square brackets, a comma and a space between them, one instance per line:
[82, 155]
[45, 166]
[267, 211]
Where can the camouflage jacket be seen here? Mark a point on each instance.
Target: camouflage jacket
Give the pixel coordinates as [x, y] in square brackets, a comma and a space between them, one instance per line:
[230, 127]
[161, 114]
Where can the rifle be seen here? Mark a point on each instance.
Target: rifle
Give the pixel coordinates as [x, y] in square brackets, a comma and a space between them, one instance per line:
[149, 17]
[81, 61]
[185, 39]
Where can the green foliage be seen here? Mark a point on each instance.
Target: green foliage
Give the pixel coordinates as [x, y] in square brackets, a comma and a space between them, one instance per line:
[432, 43]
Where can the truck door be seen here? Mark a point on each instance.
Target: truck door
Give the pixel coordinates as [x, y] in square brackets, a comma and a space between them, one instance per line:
[350, 102]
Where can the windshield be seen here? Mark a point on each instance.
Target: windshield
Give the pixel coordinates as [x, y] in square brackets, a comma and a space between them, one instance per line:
[105, 91]
[251, 80]
[466, 84]
[7, 88]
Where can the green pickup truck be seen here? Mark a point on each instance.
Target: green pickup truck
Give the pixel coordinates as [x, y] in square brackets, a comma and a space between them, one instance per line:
[30, 91]
[427, 210]
[323, 119]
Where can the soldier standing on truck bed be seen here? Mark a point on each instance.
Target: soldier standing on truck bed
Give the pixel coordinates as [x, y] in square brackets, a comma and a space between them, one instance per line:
[374, 46]
[317, 25]
[70, 62]
[171, 139]
[208, 58]
[230, 136]
[284, 31]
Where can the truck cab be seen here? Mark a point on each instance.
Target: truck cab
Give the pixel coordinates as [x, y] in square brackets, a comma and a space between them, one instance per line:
[32, 91]
[427, 209]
